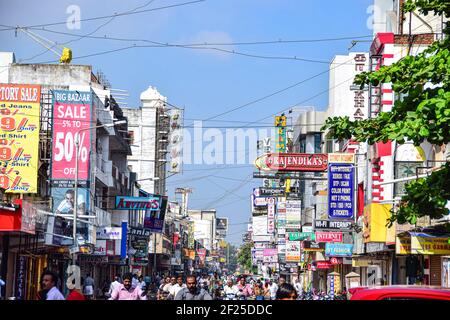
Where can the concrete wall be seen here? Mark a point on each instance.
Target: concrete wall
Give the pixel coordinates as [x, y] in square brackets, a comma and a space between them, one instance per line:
[50, 74]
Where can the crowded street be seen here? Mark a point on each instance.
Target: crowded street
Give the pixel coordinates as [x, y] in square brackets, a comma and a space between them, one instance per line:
[257, 151]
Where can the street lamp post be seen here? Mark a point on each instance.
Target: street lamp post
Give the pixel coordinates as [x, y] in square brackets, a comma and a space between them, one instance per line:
[75, 202]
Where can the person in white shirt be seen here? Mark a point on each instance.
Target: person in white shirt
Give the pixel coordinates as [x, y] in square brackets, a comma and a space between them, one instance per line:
[134, 281]
[298, 285]
[273, 287]
[114, 285]
[174, 289]
[50, 291]
[230, 290]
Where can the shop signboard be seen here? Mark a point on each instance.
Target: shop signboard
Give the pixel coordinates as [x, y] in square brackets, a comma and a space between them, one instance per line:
[402, 245]
[271, 192]
[313, 246]
[154, 219]
[333, 225]
[109, 233]
[270, 255]
[301, 236]
[260, 226]
[293, 251]
[307, 229]
[338, 250]
[293, 214]
[309, 162]
[19, 137]
[428, 245]
[340, 191]
[328, 236]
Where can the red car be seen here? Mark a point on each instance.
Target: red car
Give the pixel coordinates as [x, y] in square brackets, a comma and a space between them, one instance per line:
[400, 293]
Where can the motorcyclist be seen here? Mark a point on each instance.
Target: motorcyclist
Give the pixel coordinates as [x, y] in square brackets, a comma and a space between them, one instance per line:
[230, 291]
[245, 290]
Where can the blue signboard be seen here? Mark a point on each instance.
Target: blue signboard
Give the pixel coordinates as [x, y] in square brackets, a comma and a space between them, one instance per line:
[340, 190]
[150, 203]
[338, 249]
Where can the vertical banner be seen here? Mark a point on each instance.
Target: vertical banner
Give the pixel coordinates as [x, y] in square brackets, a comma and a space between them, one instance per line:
[19, 137]
[123, 242]
[175, 146]
[341, 177]
[72, 111]
[280, 124]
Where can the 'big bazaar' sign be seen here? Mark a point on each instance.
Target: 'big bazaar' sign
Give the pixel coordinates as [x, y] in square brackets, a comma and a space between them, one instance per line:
[292, 162]
[328, 236]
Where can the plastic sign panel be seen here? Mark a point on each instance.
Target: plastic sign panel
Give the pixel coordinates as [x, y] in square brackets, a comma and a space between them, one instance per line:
[152, 203]
[429, 245]
[72, 112]
[340, 191]
[293, 214]
[338, 250]
[292, 162]
[293, 251]
[19, 137]
[301, 236]
[328, 236]
[335, 225]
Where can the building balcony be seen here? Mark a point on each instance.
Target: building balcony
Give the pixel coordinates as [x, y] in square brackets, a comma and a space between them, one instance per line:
[103, 171]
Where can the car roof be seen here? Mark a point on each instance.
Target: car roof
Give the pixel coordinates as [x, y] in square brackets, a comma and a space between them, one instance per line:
[396, 290]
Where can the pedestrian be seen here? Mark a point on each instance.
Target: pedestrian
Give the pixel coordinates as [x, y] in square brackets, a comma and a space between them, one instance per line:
[192, 292]
[273, 287]
[114, 285]
[75, 294]
[286, 292]
[174, 289]
[2, 284]
[125, 291]
[258, 290]
[134, 281]
[230, 291]
[89, 287]
[163, 291]
[142, 283]
[298, 285]
[266, 289]
[49, 290]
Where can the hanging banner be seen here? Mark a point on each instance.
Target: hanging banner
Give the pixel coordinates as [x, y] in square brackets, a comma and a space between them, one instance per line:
[154, 218]
[280, 140]
[72, 112]
[403, 245]
[340, 191]
[19, 137]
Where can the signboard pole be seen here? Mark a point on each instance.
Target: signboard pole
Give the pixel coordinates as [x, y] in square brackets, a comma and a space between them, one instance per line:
[75, 201]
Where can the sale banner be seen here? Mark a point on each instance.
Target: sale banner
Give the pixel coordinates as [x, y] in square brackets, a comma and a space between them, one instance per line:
[72, 116]
[19, 137]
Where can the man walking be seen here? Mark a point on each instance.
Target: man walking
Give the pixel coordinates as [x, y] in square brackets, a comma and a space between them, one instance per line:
[126, 292]
[192, 292]
[89, 287]
[49, 291]
[176, 288]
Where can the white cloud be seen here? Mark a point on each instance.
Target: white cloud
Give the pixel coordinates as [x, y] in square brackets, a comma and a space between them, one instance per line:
[212, 37]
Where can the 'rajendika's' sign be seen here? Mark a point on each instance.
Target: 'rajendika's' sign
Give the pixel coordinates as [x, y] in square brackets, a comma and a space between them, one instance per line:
[292, 162]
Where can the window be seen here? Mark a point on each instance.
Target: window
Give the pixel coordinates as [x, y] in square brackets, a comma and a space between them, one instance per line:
[302, 141]
[403, 170]
[317, 142]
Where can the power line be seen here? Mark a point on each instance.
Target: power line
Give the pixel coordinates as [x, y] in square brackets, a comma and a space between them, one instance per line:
[121, 14]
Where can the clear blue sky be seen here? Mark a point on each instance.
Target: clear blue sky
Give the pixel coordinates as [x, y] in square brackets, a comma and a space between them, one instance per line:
[204, 82]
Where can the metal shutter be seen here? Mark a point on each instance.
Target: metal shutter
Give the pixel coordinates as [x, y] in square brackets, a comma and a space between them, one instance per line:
[435, 270]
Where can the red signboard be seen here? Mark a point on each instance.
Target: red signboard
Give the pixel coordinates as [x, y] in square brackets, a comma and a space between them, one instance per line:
[328, 236]
[324, 265]
[292, 162]
[17, 218]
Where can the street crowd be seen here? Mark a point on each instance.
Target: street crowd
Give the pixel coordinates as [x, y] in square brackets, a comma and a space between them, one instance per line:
[192, 287]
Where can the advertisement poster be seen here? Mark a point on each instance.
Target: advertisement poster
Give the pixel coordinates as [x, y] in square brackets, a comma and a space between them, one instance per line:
[59, 229]
[260, 226]
[270, 255]
[340, 192]
[292, 251]
[138, 248]
[72, 111]
[328, 236]
[19, 137]
[293, 214]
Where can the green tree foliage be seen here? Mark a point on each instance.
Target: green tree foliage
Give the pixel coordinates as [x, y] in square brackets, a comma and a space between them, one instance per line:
[244, 257]
[421, 112]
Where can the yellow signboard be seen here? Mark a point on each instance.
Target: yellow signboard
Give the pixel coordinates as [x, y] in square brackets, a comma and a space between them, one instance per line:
[19, 137]
[375, 221]
[280, 121]
[403, 245]
[341, 158]
[429, 245]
